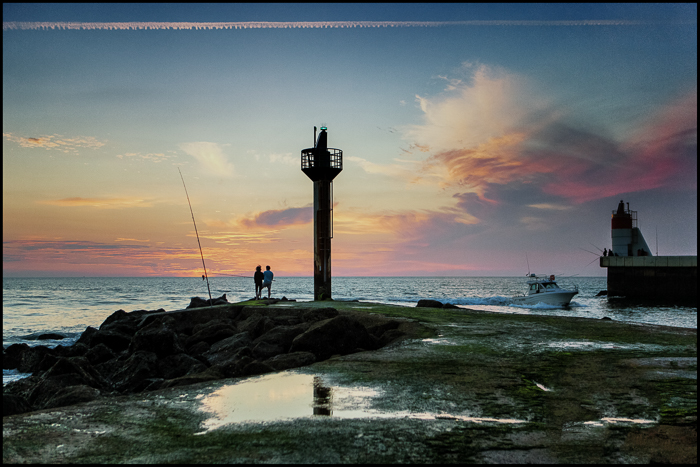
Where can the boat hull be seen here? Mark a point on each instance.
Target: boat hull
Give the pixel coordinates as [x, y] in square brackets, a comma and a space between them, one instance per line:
[562, 298]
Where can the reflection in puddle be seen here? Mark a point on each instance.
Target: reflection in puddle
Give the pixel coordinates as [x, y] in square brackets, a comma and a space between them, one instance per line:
[283, 396]
[322, 398]
[287, 395]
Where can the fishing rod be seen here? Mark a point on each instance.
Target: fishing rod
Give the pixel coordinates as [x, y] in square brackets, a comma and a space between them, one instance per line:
[211, 302]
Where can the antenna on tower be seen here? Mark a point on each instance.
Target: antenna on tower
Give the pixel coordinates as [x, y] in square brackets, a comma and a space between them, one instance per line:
[657, 240]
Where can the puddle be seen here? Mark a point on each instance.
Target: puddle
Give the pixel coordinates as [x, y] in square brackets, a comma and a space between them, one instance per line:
[590, 345]
[438, 341]
[288, 395]
[542, 386]
[613, 420]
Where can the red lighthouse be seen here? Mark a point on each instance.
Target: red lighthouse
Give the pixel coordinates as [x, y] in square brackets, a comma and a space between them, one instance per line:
[627, 239]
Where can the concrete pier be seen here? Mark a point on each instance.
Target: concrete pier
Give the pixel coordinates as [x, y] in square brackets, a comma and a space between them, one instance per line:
[672, 278]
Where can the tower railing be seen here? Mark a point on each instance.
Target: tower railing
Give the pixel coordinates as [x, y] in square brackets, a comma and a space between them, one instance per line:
[308, 159]
[632, 214]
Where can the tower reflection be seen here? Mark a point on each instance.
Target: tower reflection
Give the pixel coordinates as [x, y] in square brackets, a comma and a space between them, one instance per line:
[323, 396]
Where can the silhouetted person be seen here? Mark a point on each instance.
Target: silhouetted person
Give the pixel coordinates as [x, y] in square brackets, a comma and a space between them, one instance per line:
[267, 280]
[258, 278]
[605, 252]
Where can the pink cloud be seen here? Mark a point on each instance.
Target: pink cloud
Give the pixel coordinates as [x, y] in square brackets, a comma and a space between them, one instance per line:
[495, 129]
[278, 218]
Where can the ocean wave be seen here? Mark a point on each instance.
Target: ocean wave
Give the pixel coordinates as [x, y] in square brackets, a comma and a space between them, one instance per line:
[9, 376]
[491, 301]
[537, 306]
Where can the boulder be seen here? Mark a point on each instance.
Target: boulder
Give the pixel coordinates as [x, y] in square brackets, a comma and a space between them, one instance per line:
[72, 395]
[80, 369]
[13, 355]
[207, 375]
[134, 317]
[225, 349]
[116, 316]
[140, 366]
[99, 354]
[429, 304]
[178, 365]
[340, 335]
[214, 331]
[77, 350]
[199, 348]
[24, 358]
[264, 350]
[231, 344]
[22, 387]
[390, 336]
[233, 366]
[13, 404]
[318, 314]
[86, 336]
[116, 340]
[282, 335]
[44, 337]
[256, 325]
[257, 368]
[158, 338]
[47, 388]
[196, 302]
[290, 360]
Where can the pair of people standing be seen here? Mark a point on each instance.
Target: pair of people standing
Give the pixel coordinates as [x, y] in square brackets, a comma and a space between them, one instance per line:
[262, 280]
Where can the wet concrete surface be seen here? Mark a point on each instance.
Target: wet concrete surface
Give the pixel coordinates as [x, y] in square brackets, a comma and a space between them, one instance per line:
[468, 387]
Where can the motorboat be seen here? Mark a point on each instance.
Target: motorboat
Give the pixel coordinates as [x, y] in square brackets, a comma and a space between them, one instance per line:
[544, 289]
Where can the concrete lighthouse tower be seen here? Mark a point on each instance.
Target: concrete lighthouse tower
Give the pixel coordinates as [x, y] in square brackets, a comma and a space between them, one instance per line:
[627, 239]
[322, 164]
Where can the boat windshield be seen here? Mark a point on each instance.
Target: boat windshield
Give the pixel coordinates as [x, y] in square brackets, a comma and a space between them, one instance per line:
[551, 285]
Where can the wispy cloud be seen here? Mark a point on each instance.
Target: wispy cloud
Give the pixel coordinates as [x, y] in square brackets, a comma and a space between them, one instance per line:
[100, 203]
[401, 169]
[211, 158]
[151, 156]
[55, 142]
[136, 25]
[66, 245]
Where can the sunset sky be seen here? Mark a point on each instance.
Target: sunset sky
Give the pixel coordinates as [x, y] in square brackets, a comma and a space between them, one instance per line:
[473, 135]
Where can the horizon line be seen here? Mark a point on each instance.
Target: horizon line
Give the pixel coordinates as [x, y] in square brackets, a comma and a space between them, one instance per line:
[155, 25]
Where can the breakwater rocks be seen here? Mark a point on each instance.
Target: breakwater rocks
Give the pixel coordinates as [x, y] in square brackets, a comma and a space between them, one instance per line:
[149, 350]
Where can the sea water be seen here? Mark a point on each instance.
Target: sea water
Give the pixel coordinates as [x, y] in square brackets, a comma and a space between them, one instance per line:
[35, 306]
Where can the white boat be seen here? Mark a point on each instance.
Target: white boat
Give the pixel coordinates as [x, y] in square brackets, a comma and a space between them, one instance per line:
[545, 290]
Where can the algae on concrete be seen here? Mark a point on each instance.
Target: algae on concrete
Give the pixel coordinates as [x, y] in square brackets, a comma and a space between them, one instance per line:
[466, 386]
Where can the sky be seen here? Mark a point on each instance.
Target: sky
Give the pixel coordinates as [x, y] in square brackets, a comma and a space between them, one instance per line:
[478, 140]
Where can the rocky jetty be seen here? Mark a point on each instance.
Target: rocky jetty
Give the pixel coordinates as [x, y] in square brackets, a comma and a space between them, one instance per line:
[149, 350]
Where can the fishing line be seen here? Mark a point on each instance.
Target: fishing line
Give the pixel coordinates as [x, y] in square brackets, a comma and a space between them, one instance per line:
[589, 251]
[211, 302]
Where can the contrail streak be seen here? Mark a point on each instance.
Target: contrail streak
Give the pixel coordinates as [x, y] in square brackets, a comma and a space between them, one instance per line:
[20, 25]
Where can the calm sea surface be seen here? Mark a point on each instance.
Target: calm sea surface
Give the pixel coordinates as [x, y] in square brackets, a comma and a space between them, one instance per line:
[68, 305]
